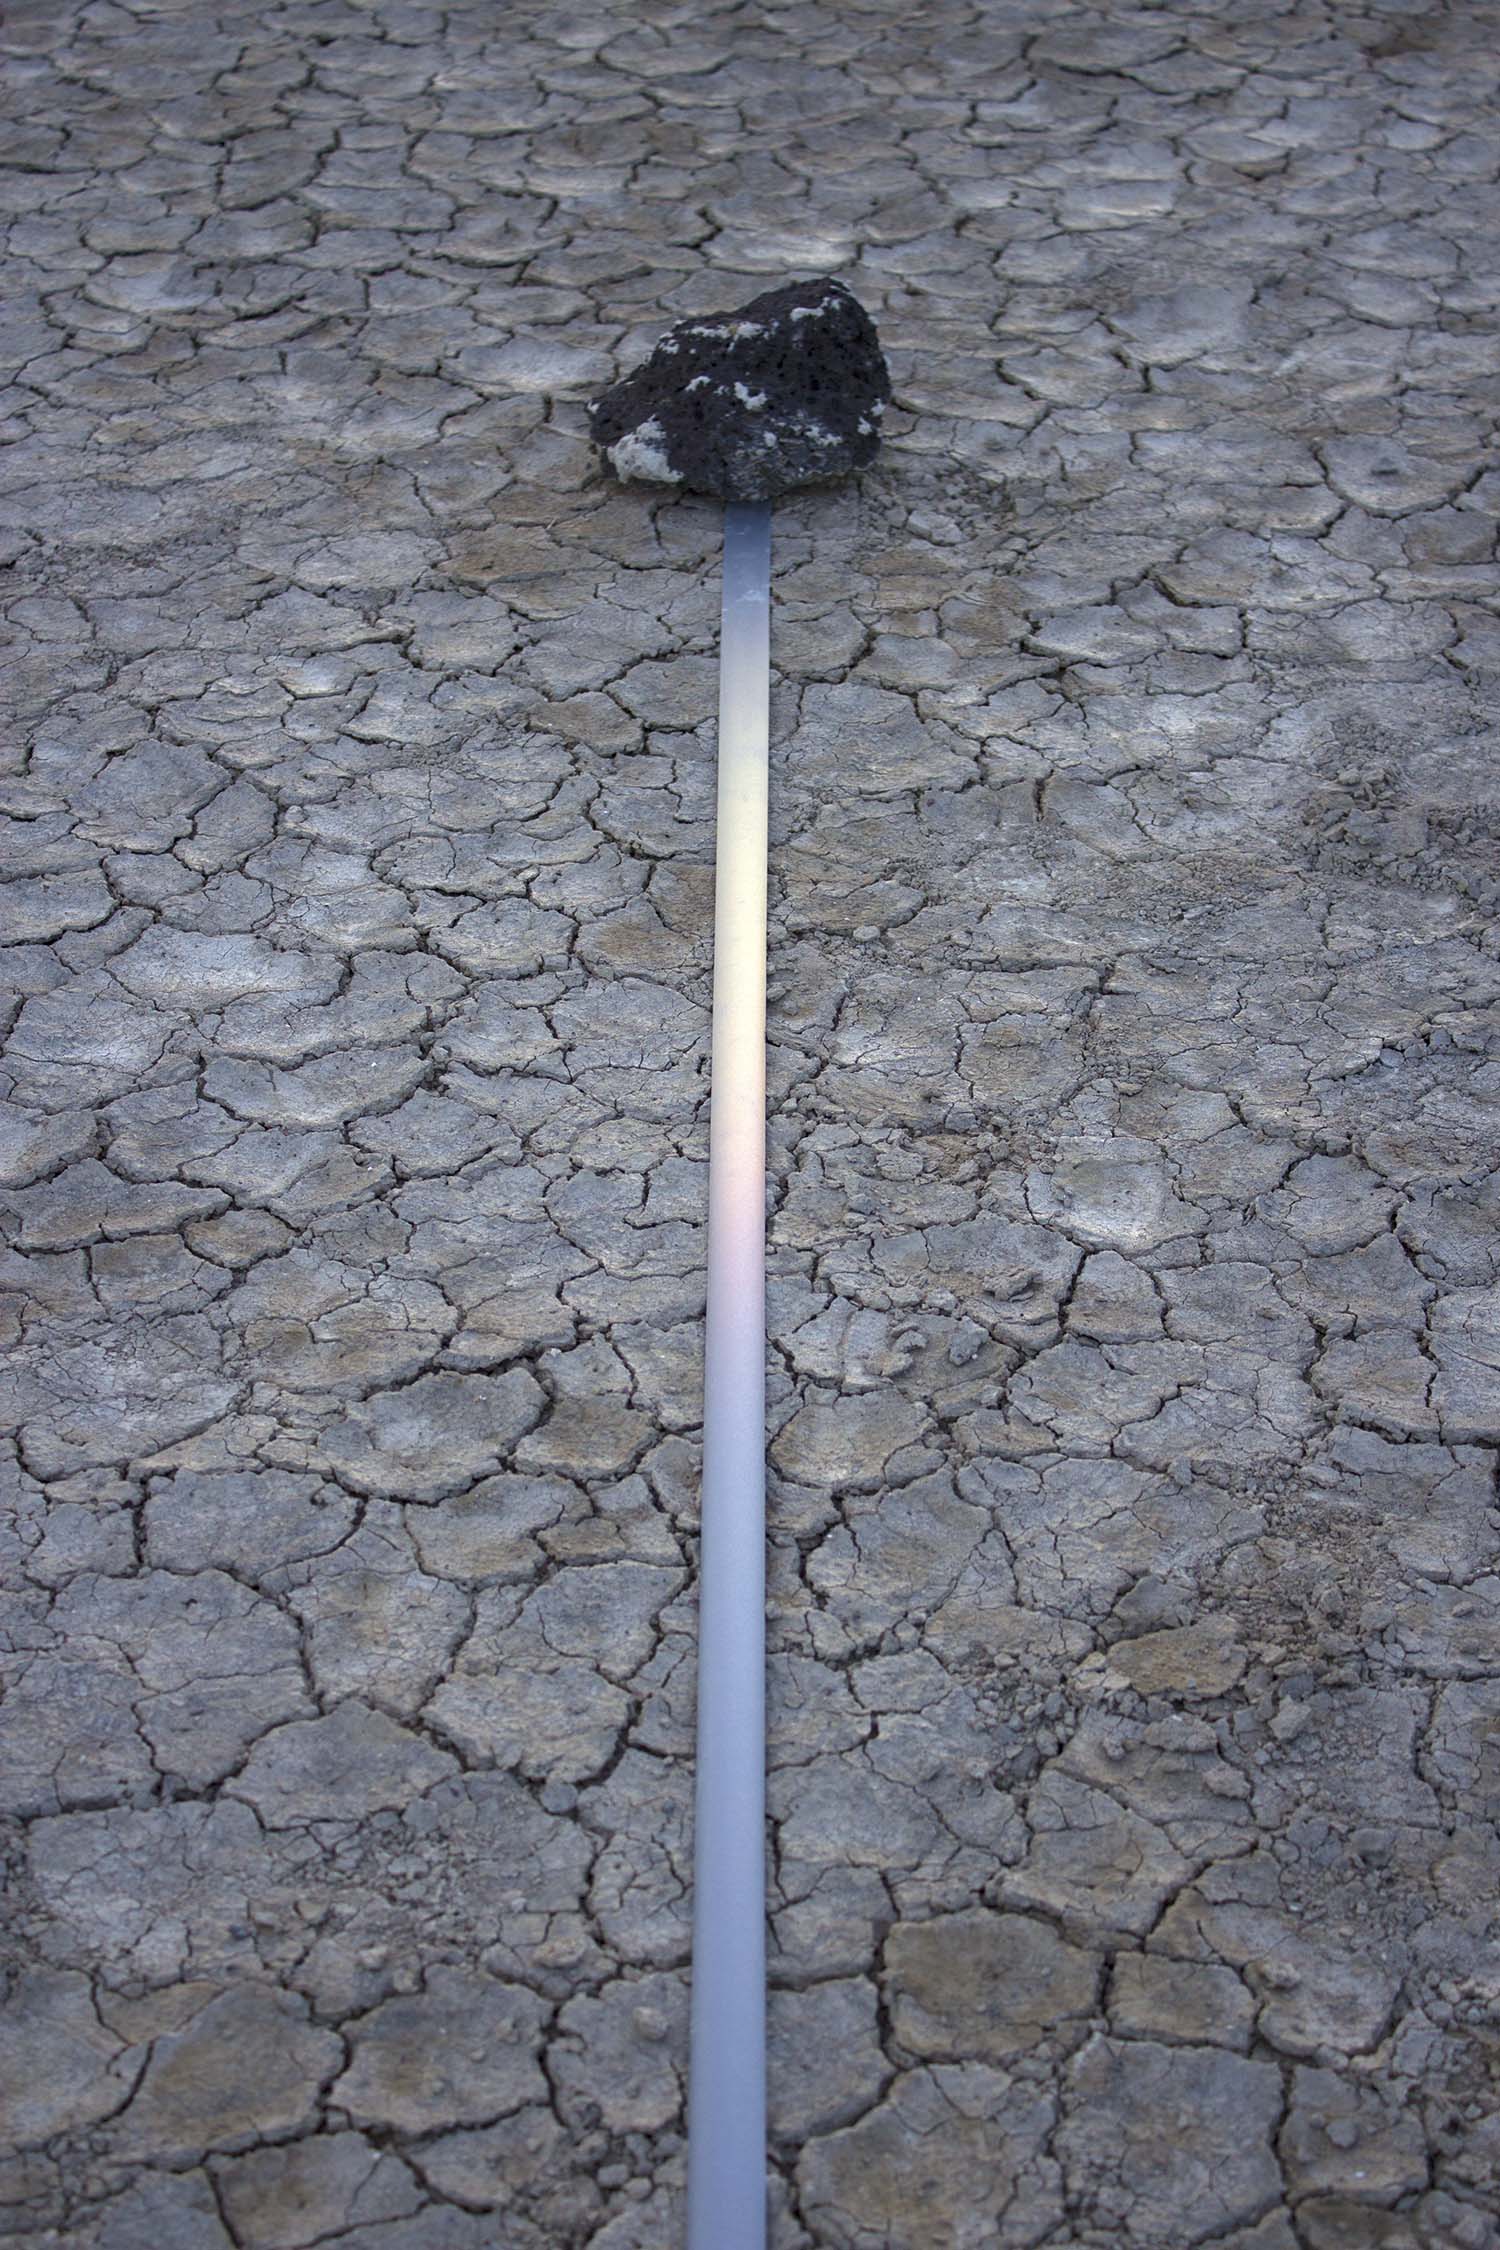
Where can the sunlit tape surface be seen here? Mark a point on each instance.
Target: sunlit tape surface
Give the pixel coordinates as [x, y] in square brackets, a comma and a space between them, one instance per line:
[727, 2079]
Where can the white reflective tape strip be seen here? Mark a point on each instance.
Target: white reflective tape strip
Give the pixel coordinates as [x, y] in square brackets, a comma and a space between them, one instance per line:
[727, 2067]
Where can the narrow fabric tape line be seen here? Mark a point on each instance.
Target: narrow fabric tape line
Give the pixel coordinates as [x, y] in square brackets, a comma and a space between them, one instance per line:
[727, 2063]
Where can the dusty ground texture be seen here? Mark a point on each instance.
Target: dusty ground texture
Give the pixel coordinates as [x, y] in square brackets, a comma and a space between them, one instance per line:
[1135, 1091]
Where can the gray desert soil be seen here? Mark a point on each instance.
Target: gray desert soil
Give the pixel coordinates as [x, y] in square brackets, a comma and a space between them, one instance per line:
[1135, 1099]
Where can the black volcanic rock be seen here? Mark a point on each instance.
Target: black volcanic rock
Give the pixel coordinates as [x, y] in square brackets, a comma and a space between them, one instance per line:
[788, 390]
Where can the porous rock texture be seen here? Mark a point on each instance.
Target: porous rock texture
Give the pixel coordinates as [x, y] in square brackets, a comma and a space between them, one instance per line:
[1134, 1097]
[789, 390]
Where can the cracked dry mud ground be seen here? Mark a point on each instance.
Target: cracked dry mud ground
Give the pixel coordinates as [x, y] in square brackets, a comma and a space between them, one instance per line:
[1134, 1099]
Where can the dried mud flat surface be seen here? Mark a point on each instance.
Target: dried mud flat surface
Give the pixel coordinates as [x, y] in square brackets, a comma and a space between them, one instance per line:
[1135, 1096]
